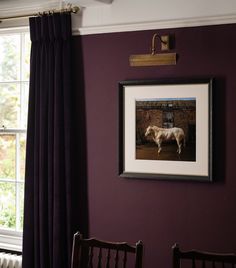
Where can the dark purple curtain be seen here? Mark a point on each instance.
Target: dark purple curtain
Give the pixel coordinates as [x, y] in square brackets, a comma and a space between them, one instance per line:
[48, 227]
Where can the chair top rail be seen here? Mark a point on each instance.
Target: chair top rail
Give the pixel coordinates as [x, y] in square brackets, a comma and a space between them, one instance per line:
[205, 255]
[94, 242]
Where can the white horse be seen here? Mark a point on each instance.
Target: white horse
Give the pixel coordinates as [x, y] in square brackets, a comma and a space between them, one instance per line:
[166, 134]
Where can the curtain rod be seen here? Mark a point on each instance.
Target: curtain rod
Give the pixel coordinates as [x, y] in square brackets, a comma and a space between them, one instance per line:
[70, 9]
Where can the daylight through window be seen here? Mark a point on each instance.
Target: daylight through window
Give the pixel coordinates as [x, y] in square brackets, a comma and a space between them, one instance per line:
[14, 84]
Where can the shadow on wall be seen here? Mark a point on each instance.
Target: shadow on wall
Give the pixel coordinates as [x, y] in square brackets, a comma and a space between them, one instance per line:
[219, 129]
[79, 142]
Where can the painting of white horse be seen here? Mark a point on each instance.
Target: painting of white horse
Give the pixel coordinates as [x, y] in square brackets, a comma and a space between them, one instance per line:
[158, 135]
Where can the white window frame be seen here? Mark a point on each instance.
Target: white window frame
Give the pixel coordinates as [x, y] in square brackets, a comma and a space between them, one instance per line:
[10, 239]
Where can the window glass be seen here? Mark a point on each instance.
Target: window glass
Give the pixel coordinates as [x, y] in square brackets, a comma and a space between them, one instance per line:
[14, 91]
[10, 105]
[7, 205]
[26, 57]
[10, 55]
[21, 204]
[24, 104]
[7, 156]
[22, 138]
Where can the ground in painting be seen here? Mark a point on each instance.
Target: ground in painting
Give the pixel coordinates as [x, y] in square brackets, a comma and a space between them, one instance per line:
[169, 152]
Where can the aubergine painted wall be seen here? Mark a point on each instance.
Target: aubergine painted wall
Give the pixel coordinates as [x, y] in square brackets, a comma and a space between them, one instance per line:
[196, 215]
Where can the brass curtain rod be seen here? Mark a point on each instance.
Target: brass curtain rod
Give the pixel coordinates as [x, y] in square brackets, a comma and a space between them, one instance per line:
[70, 9]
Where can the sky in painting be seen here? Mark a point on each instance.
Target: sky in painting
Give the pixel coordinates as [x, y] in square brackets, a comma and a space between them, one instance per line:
[166, 99]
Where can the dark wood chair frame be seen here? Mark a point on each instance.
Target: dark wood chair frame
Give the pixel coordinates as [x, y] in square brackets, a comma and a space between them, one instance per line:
[203, 257]
[80, 244]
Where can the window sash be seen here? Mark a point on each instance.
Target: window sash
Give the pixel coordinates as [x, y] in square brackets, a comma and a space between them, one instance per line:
[11, 239]
[11, 131]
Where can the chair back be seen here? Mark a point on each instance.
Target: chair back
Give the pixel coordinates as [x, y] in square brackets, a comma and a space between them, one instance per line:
[94, 253]
[202, 259]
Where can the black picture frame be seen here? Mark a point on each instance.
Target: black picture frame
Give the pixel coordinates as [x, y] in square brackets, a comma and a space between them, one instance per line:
[171, 103]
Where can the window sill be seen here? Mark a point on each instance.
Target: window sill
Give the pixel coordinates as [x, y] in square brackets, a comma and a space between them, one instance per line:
[11, 241]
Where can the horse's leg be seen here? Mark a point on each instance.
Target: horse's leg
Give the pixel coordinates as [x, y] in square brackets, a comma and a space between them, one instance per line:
[179, 146]
[159, 146]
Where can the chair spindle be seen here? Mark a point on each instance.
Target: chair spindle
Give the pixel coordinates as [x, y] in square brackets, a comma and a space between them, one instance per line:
[125, 259]
[108, 258]
[213, 265]
[203, 264]
[90, 261]
[117, 258]
[100, 258]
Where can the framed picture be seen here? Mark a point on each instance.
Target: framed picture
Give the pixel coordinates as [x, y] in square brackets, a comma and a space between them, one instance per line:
[165, 129]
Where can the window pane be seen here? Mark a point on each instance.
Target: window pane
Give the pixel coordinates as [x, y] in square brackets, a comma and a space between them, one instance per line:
[7, 205]
[21, 197]
[26, 57]
[10, 105]
[7, 156]
[24, 104]
[9, 57]
[22, 155]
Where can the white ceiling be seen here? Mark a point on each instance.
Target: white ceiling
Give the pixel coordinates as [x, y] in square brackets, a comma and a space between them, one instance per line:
[14, 7]
[98, 16]
[89, 3]
[30, 4]
[20, 7]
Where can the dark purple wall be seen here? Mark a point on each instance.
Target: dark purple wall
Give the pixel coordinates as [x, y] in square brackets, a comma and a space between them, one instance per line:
[196, 215]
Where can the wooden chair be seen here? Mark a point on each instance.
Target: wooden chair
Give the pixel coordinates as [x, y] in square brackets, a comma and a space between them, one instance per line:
[89, 253]
[202, 259]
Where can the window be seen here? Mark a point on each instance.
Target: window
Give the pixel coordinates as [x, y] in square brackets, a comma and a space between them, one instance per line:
[14, 84]
[168, 119]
